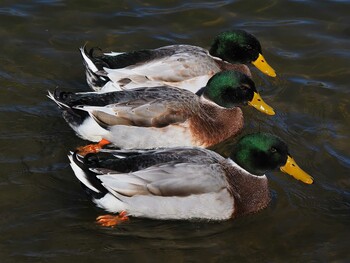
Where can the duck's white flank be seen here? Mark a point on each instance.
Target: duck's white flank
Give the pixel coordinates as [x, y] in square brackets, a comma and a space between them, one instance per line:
[215, 206]
[150, 137]
[84, 130]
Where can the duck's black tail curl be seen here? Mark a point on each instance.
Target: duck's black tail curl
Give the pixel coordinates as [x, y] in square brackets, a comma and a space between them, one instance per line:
[91, 184]
[63, 99]
[95, 75]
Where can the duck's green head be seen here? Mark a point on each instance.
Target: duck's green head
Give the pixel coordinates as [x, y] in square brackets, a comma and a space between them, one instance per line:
[262, 152]
[238, 46]
[232, 88]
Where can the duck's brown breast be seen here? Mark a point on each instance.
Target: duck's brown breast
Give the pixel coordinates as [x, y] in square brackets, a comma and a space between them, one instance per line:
[215, 124]
[235, 67]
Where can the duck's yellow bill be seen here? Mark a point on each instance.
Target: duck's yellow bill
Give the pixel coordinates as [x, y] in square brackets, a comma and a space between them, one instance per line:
[258, 103]
[262, 65]
[294, 170]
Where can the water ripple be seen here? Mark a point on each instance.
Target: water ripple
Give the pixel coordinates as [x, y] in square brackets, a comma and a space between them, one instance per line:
[345, 160]
[13, 12]
[277, 23]
[159, 10]
[145, 11]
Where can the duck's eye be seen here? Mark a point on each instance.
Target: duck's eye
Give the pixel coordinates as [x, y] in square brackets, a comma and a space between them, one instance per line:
[244, 87]
[273, 149]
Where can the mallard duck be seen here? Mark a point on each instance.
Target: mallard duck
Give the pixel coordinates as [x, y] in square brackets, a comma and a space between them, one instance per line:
[184, 182]
[162, 116]
[184, 66]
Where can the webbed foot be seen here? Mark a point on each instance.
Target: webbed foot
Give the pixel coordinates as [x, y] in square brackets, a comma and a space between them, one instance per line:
[112, 220]
[92, 148]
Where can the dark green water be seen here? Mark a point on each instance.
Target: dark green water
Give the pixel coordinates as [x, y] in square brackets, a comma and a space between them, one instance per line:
[46, 217]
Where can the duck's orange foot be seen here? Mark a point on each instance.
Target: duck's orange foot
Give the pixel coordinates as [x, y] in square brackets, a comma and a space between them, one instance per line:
[92, 148]
[112, 220]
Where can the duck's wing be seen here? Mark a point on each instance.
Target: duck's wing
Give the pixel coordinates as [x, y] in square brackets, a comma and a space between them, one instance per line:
[134, 160]
[172, 179]
[172, 64]
[167, 65]
[146, 107]
[168, 174]
[96, 62]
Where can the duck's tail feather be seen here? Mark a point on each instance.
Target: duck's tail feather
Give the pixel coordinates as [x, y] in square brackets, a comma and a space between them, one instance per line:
[60, 98]
[73, 116]
[96, 77]
[55, 96]
[91, 184]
